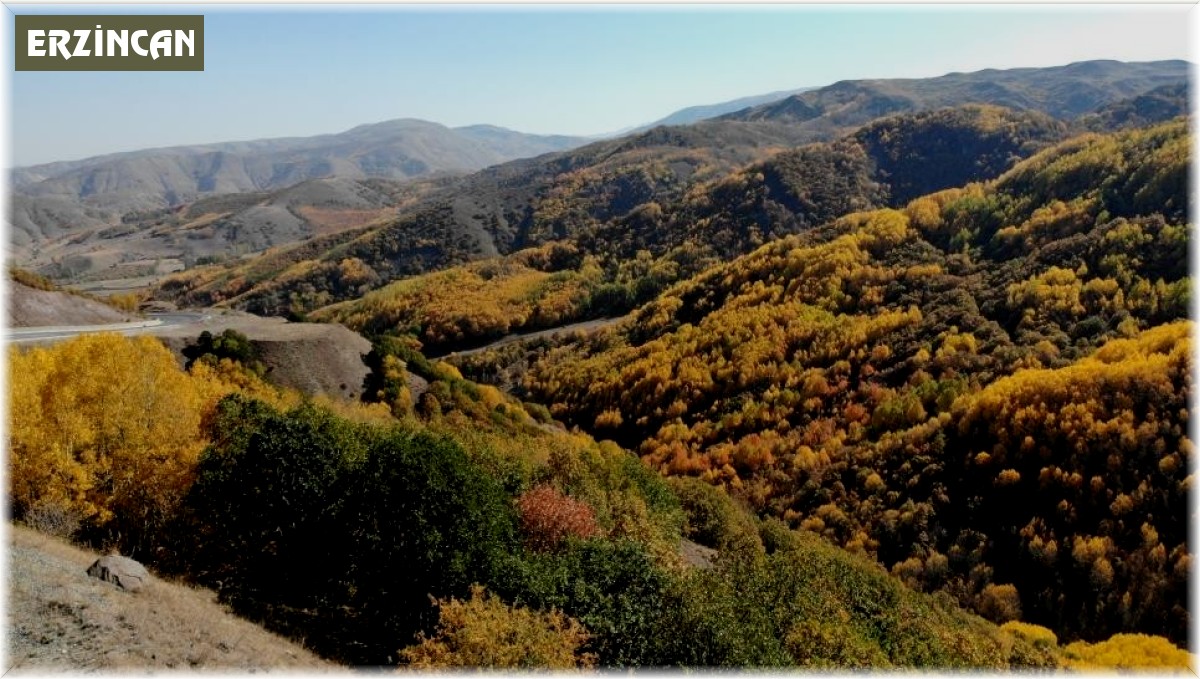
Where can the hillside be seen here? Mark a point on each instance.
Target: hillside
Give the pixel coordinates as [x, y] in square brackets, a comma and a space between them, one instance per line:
[695, 114]
[30, 307]
[685, 195]
[892, 380]
[224, 227]
[461, 527]
[615, 265]
[60, 619]
[302, 515]
[1158, 105]
[81, 223]
[50, 200]
[497, 210]
[1064, 92]
[34, 300]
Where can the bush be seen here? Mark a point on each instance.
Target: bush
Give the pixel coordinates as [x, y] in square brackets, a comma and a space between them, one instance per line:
[713, 519]
[999, 603]
[1128, 652]
[260, 519]
[548, 518]
[230, 344]
[420, 519]
[613, 588]
[339, 532]
[1037, 635]
[483, 632]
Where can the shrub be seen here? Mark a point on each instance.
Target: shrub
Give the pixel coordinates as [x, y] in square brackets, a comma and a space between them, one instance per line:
[548, 518]
[613, 588]
[483, 632]
[230, 344]
[420, 519]
[1037, 635]
[1128, 652]
[999, 603]
[713, 519]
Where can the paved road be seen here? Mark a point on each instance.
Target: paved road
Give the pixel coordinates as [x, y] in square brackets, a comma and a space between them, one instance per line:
[152, 324]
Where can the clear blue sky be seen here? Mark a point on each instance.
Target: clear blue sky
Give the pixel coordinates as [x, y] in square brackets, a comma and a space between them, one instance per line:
[278, 71]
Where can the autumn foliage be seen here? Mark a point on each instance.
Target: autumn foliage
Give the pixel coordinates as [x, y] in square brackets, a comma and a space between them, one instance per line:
[483, 632]
[104, 427]
[548, 518]
[987, 391]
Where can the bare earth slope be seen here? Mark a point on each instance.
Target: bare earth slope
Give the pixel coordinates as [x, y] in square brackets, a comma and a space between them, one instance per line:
[61, 619]
[315, 358]
[29, 307]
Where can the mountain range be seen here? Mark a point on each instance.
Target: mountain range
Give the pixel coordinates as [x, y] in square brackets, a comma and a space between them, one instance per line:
[100, 216]
[54, 198]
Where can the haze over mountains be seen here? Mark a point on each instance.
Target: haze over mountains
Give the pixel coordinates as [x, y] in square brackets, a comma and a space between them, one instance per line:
[95, 216]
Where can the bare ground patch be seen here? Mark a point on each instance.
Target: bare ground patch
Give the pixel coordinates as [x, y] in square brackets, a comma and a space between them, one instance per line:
[62, 620]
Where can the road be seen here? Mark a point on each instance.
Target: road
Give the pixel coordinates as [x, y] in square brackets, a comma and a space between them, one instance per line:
[153, 324]
[583, 326]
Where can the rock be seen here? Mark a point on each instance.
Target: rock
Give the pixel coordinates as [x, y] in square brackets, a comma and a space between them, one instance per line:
[696, 555]
[122, 571]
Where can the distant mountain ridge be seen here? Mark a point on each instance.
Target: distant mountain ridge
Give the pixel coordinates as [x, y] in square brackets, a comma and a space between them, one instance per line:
[58, 197]
[1065, 92]
[694, 114]
[443, 218]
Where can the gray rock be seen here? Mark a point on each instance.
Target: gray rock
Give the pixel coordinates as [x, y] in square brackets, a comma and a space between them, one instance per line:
[122, 571]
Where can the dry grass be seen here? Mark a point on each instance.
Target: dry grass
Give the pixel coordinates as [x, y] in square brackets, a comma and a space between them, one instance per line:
[62, 620]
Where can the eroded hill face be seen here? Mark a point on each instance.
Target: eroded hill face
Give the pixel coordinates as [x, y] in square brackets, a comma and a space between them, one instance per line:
[30, 307]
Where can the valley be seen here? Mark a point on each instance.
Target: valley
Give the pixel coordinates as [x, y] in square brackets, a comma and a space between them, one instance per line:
[882, 374]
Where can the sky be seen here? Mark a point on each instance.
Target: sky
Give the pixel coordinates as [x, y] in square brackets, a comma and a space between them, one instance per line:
[275, 71]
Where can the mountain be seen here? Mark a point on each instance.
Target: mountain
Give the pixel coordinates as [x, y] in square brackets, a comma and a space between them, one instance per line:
[59, 233]
[694, 114]
[1158, 105]
[690, 194]
[986, 389]
[502, 209]
[218, 227]
[1065, 92]
[56, 198]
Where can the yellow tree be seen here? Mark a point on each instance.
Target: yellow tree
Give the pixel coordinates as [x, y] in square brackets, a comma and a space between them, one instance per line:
[103, 427]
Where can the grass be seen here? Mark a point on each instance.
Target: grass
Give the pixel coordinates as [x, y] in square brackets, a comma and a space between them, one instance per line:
[62, 620]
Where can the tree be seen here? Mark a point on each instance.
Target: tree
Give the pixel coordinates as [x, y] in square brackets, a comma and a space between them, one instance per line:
[106, 427]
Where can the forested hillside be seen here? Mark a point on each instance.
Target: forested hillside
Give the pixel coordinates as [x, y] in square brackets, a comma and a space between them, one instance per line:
[681, 222]
[895, 379]
[461, 530]
[1064, 92]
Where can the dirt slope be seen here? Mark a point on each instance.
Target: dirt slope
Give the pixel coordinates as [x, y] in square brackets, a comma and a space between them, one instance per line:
[29, 307]
[62, 620]
[315, 358]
